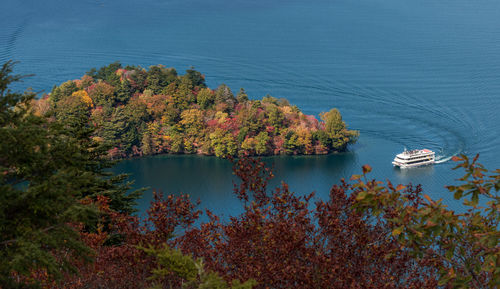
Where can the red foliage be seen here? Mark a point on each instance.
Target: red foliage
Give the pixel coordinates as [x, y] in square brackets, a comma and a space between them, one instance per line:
[212, 123]
[278, 142]
[282, 240]
[119, 262]
[230, 124]
[282, 243]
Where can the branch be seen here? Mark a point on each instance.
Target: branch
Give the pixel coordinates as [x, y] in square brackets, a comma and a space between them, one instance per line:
[7, 242]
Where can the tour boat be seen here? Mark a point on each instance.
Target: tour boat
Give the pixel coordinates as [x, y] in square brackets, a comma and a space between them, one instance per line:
[414, 158]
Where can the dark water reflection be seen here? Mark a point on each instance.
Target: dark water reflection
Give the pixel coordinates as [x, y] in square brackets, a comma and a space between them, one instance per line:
[210, 179]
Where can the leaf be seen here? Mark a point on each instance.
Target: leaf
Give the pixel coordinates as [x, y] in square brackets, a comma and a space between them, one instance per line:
[361, 196]
[397, 231]
[458, 195]
[400, 187]
[355, 177]
[428, 199]
[366, 169]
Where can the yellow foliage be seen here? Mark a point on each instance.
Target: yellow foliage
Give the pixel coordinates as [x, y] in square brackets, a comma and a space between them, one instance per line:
[221, 116]
[83, 95]
[248, 144]
[286, 109]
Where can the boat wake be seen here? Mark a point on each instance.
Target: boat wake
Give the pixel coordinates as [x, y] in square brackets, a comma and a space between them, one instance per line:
[442, 159]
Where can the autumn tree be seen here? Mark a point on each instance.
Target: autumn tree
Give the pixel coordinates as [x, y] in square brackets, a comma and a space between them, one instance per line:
[125, 100]
[466, 245]
[282, 240]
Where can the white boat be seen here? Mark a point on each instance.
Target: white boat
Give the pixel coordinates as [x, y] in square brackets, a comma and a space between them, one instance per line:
[414, 158]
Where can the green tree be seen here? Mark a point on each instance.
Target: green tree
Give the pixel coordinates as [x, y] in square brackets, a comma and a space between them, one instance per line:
[223, 94]
[262, 140]
[336, 129]
[242, 96]
[63, 91]
[223, 143]
[195, 77]
[72, 110]
[184, 96]
[159, 77]
[205, 98]
[47, 170]
[276, 117]
[107, 73]
[270, 99]
[177, 143]
[102, 93]
[291, 142]
[193, 275]
[124, 91]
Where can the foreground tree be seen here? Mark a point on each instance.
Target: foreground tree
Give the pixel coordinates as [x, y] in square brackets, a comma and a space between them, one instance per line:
[47, 169]
[173, 265]
[282, 241]
[366, 235]
[466, 245]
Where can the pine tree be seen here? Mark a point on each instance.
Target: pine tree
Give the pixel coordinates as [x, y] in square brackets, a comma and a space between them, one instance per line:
[49, 172]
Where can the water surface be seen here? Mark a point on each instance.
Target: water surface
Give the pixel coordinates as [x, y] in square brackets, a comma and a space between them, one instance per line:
[415, 74]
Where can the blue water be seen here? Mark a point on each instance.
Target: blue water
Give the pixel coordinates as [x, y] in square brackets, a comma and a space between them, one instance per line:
[415, 74]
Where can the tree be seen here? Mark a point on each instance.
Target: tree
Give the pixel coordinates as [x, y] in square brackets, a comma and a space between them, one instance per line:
[205, 98]
[159, 77]
[223, 143]
[276, 117]
[223, 94]
[107, 73]
[74, 109]
[102, 93]
[49, 172]
[292, 144]
[336, 129]
[242, 96]
[123, 101]
[40, 185]
[192, 122]
[282, 240]
[262, 140]
[192, 272]
[466, 245]
[184, 96]
[63, 91]
[195, 77]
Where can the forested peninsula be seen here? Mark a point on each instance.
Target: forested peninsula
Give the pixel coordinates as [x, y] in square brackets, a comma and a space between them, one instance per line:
[139, 112]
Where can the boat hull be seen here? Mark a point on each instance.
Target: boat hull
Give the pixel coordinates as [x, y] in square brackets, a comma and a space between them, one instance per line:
[405, 166]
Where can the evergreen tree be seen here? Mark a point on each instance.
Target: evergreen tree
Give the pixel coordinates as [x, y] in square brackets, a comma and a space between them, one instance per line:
[48, 174]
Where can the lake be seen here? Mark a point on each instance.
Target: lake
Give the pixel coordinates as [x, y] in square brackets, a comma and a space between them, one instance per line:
[415, 74]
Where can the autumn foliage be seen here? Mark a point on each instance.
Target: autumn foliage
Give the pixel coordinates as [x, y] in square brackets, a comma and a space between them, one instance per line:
[281, 240]
[143, 112]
